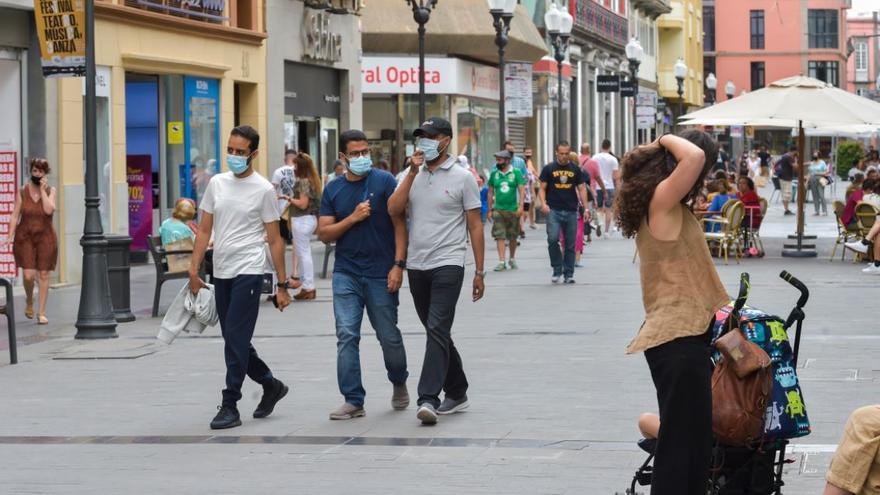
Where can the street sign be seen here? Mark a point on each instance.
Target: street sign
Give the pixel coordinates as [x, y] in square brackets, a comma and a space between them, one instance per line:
[644, 122]
[518, 89]
[607, 83]
[736, 131]
[642, 111]
[627, 88]
[647, 98]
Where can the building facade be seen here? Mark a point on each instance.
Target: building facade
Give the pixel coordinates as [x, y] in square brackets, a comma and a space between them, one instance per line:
[173, 79]
[760, 42]
[863, 48]
[643, 26]
[681, 38]
[313, 82]
[461, 77]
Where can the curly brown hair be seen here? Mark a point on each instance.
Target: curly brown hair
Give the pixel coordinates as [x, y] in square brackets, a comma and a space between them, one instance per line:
[645, 167]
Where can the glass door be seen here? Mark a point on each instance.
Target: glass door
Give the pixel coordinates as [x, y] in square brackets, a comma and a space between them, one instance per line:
[201, 135]
[329, 145]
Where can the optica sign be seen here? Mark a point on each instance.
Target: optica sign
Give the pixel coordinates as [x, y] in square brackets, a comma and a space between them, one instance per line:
[393, 75]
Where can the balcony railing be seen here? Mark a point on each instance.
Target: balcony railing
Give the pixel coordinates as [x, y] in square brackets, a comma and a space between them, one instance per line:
[594, 18]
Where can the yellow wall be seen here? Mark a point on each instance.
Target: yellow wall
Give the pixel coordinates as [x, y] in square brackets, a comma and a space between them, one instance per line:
[681, 36]
[130, 47]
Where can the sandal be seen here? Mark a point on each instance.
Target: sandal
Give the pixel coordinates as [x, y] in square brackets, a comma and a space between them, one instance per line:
[42, 320]
[29, 310]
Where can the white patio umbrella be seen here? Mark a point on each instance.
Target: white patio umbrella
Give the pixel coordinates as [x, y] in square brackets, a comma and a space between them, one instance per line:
[795, 102]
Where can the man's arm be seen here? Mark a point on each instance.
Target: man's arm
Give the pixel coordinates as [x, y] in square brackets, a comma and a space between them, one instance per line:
[401, 242]
[276, 248]
[491, 197]
[398, 201]
[521, 196]
[542, 193]
[329, 230]
[475, 229]
[206, 226]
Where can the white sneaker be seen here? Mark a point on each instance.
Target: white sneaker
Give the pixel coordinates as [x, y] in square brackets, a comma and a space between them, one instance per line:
[872, 269]
[857, 246]
[556, 279]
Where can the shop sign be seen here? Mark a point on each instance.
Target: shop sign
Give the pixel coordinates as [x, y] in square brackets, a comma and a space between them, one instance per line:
[321, 43]
[61, 30]
[175, 132]
[607, 83]
[8, 190]
[139, 173]
[594, 18]
[444, 76]
[627, 88]
[647, 98]
[518, 89]
[736, 131]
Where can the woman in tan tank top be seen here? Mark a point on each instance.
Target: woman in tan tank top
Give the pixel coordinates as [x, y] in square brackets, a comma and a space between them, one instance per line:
[680, 291]
[33, 237]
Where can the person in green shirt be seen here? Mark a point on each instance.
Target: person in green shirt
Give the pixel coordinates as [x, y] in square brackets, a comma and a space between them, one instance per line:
[506, 193]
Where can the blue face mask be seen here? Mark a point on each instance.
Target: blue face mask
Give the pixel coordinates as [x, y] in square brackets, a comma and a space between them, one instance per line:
[237, 164]
[431, 148]
[361, 165]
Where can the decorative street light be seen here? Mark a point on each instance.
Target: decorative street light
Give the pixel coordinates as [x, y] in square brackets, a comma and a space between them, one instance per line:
[421, 13]
[559, 24]
[634, 54]
[502, 13]
[711, 83]
[94, 319]
[730, 89]
[680, 70]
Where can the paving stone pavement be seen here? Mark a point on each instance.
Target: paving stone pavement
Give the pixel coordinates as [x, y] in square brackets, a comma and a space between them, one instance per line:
[554, 398]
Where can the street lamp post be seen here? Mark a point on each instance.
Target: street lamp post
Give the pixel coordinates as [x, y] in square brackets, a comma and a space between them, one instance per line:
[559, 24]
[712, 84]
[421, 14]
[94, 318]
[634, 54]
[502, 13]
[730, 89]
[680, 70]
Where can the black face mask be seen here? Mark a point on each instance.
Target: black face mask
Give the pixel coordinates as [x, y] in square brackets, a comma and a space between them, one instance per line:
[36, 180]
[500, 166]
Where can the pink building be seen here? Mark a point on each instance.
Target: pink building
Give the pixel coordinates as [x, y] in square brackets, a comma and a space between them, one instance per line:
[862, 67]
[756, 42]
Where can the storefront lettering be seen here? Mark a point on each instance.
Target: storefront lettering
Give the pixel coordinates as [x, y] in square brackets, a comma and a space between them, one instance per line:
[400, 75]
[320, 42]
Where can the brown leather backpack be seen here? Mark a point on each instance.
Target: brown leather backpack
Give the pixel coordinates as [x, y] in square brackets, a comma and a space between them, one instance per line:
[738, 404]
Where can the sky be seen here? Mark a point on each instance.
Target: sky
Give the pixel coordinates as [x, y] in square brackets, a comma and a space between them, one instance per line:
[865, 5]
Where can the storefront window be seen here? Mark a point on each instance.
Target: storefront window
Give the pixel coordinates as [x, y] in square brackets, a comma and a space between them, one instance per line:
[435, 106]
[478, 131]
[201, 109]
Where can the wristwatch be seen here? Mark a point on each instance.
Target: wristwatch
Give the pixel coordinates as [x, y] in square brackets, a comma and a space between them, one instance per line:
[283, 285]
[400, 263]
[481, 274]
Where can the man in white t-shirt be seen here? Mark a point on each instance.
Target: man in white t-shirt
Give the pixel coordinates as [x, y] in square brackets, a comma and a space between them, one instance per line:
[240, 209]
[609, 169]
[283, 179]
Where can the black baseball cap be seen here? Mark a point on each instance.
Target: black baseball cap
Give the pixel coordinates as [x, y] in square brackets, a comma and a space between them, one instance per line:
[434, 126]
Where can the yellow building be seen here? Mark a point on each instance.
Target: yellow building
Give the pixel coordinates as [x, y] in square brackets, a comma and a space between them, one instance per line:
[681, 37]
[173, 78]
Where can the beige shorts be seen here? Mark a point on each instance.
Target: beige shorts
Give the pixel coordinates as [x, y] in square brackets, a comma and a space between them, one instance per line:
[856, 465]
[785, 185]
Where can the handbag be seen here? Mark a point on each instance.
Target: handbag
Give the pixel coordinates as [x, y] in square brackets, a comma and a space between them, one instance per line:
[744, 356]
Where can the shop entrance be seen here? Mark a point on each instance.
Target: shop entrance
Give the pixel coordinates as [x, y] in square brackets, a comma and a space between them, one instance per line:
[311, 112]
[172, 146]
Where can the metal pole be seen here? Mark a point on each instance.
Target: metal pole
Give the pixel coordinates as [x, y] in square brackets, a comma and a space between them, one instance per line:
[876, 47]
[422, 116]
[95, 318]
[503, 104]
[559, 102]
[634, 69]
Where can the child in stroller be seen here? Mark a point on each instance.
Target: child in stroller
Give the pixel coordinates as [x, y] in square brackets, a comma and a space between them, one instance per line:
[755, 470]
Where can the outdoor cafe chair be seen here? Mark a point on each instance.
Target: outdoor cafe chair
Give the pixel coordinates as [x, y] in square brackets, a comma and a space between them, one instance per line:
[844, 234]
[730, 235]
[866, 215]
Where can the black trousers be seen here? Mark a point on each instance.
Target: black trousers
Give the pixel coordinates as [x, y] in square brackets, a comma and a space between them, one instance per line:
[238, 303]
[682, 374]
[435, 293]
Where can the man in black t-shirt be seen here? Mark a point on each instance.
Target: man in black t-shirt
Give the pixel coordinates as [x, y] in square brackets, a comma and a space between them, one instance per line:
[562, 192]
[785, 169]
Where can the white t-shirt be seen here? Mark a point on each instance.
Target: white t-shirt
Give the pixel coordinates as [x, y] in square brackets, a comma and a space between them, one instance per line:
[240, 207]
[607, 165]
[283, 179]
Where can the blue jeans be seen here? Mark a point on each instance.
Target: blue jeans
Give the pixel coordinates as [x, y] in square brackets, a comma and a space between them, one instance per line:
[565, 221]
[238, 303]
[351, 295]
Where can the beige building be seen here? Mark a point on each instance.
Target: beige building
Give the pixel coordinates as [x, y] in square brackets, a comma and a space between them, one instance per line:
[173, 79]
[681, 36]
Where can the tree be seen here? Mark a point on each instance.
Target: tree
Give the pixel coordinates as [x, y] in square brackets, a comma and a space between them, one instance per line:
[848, 154]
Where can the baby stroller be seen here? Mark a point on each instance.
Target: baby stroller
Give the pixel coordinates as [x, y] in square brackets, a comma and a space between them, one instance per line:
[756, 470]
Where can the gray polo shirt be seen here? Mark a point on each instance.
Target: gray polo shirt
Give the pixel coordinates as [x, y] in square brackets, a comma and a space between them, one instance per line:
[437, 225]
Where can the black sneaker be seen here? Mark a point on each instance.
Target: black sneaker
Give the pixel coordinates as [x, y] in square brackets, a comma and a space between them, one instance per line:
[569, 281]
[271, 396]
[452, 406]
[227, 417]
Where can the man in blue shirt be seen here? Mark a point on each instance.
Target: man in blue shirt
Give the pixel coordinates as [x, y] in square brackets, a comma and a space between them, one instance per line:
[368, 271]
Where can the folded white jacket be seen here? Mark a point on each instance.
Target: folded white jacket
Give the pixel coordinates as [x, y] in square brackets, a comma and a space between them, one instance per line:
[189, 313]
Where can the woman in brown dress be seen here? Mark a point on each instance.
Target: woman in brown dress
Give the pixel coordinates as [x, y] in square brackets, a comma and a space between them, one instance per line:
[34, 243]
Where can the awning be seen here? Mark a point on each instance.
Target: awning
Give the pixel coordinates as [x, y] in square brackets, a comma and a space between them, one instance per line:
[457, 27]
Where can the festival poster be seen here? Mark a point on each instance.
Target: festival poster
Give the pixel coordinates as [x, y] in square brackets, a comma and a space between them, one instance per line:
[61, 30]
[8, 190]
[139, 171]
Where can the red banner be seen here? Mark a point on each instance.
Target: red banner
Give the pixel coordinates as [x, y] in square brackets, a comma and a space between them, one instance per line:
[8, 190]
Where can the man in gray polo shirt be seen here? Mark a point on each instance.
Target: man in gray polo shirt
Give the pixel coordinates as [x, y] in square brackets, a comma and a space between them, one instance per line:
[444, 207]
